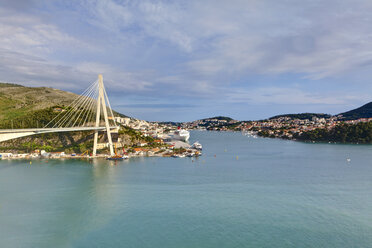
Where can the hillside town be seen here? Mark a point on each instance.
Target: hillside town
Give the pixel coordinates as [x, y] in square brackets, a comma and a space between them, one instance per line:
[277, 127]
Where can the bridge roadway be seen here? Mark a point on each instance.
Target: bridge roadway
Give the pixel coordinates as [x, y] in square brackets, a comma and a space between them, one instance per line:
[8, 134]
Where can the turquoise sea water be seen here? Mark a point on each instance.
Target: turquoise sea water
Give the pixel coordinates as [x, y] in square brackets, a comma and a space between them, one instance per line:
[242, 192]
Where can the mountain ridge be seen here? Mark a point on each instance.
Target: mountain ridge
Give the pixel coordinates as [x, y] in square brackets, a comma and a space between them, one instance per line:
[364, 111]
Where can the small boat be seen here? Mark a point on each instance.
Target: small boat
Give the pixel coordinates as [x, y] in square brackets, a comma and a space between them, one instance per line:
[115, 157]
[197, 146]
[178, 155]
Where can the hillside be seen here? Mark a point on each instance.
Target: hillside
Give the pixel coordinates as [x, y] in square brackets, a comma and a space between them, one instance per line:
[23, 107]
[302, 116]
[364, 111]
[360, 133]
[18, 101]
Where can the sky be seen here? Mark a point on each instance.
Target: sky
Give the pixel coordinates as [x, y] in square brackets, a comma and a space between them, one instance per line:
[187, 60]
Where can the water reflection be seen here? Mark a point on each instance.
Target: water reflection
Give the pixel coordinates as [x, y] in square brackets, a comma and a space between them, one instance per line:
[79, 195]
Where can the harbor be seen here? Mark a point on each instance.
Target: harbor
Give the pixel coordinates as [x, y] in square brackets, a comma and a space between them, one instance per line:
[88, 128]
[169, 147]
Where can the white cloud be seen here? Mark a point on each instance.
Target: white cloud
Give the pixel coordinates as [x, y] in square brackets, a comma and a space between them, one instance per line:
[35, 71]
[25, 49]
[28, 34]
[108, 15]
[293, 96]
[117, 79]
[311, 37]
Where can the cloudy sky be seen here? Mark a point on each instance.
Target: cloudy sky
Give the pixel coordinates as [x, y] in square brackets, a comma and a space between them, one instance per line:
[186, 60]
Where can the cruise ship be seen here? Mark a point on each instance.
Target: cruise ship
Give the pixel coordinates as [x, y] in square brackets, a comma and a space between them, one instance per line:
[181, 134]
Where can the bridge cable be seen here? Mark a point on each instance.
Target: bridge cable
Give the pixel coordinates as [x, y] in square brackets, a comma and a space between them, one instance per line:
[83, 107]
[60, 123]
[108, 103]
[87, 109]
[90, 108]
[94, 108]
[70, 111]
[71, 119]
[66, 107]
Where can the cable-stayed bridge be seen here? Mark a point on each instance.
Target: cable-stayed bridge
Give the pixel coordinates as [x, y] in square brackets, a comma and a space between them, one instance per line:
[90, 111]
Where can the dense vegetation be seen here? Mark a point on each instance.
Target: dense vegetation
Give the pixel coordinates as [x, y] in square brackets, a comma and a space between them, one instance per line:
[210, 125]
[77, 142]
[3, 85]
[223, 126]
[134, 135]
[34, 119]
[344, 133]
[362, 112]
[302, 116]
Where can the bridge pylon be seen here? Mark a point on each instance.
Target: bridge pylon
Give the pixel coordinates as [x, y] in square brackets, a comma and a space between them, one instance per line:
[101, 104]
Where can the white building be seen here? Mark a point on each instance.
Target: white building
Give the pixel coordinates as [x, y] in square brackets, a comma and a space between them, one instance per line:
[122, 120]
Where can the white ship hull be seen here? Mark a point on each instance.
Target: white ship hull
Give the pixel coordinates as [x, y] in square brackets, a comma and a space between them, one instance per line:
[182, 135]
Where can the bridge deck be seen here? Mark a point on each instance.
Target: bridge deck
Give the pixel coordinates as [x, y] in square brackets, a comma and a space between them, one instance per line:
[43, 130]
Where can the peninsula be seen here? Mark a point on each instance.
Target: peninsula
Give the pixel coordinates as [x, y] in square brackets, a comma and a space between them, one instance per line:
[354, 126]
[35, 107]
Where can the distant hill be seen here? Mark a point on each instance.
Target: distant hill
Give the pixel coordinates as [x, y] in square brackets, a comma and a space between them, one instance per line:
[302, 116]
[172, 123]
[218, 118]
[362, 112]
[206, 120]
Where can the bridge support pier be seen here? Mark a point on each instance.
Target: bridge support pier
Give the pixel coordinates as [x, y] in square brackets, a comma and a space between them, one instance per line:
[101, 102]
